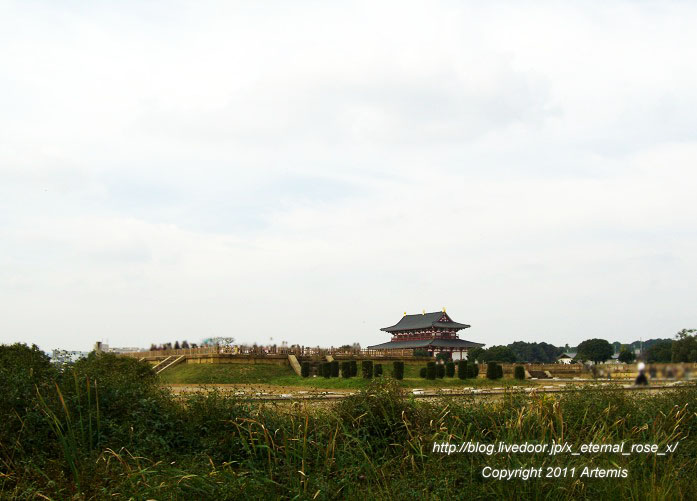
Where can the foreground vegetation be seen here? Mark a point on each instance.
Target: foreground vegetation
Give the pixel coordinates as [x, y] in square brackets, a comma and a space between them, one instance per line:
[105, 428]
[283, 375]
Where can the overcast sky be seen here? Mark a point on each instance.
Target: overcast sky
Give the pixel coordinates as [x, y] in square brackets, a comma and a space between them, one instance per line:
[308, 171]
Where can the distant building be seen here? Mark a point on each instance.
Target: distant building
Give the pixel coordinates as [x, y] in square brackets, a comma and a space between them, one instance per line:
[614, 359]
[432, 332]
[566, 358]
[61, 357]
[105, 348]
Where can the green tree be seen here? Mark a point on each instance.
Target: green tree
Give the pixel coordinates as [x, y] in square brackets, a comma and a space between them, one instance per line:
[544, 353]
[661, 352]
[685, 346]
[444, 356]
[626, 356]
[596, 350]
[497, 353]
[475, 354]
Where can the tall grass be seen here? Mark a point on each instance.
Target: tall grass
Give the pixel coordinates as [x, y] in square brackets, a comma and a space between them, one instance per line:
[130, 439]
[76, 431]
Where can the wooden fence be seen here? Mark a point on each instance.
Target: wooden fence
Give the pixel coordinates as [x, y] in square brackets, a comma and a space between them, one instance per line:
[259, 351]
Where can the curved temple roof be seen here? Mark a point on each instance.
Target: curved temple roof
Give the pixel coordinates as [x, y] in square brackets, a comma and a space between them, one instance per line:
[424, 321]
[424, 343]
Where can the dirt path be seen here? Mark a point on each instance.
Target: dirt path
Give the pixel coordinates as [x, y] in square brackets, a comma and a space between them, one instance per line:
[296, 393]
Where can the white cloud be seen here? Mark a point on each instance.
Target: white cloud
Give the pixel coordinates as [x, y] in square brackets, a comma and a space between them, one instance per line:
[309, 173]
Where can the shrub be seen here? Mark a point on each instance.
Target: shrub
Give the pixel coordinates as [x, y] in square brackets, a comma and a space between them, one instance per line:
[354, 368]
[440, 371]
[23, 372]
[492, 370]
[431, 370]
[519, 372]
[377, 370]
[499, 370]
[305, 369]
[326, 369]
[346, 369]
[398, 370]
[423, 372]
[473, 370]
[462, 369]
[450, 369]
[367, 369]
[133, 407]
[334, 368]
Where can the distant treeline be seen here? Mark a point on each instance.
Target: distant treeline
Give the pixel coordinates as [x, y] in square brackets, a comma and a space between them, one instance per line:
[681, 349]
[176, 346]
[519, 351]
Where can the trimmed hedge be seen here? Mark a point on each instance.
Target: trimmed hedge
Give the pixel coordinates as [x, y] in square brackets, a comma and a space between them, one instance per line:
[440, 371]
[377, 370]
[305, 369]
[367, 369]
[398, 370]
[450, 369]
[431, 370]
[334, 368]
[492, 370]
[423, 372]
[462, 369]
[354, 368]
[326, 369]
[499, 370]
[519, 372]
[346, 369]
[473, 370]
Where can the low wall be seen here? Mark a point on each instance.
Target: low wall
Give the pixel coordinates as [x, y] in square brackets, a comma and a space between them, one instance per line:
[239, 359]
[160, 354]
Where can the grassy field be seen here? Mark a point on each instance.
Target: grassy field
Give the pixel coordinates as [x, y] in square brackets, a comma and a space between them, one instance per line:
[279, 375]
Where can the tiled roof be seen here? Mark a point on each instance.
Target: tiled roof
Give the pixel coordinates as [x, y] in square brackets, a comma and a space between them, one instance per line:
[424, 321]
[424, 343]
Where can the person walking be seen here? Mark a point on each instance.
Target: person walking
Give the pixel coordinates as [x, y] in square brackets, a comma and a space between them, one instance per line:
[641, 379]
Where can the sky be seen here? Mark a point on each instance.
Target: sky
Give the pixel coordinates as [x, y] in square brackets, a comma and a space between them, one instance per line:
[309, 171]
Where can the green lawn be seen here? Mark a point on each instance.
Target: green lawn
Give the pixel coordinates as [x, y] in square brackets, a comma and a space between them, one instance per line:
[284, 376]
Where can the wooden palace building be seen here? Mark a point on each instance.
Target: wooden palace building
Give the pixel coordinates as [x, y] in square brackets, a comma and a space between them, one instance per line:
[433, 332]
